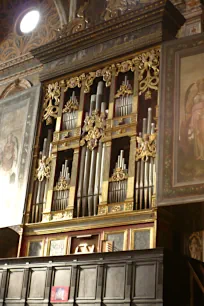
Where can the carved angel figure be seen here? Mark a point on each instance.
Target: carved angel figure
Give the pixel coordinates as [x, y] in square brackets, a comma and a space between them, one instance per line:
[43, 170]
[146, 147]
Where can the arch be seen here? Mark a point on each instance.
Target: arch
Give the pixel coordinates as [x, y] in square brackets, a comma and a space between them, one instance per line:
[9, 239]
[16, 86]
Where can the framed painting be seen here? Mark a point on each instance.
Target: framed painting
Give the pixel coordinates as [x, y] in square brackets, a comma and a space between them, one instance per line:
[142, 238]
[181, 123]
[17, 127]
[118, 239]
[35, 248]
[57, 246]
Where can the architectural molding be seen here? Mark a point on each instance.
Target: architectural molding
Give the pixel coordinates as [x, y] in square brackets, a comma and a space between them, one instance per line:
[160, 12]
[17, 85]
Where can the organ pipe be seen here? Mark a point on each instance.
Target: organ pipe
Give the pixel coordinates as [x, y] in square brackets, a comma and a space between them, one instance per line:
[90, 173]
[61, 190]
[145, 165]
[118, 181]
[124, 98]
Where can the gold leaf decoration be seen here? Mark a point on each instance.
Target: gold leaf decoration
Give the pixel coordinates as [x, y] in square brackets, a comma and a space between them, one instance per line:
[146, 148]
[44, 168]
[125, 66]
[71, 106]
[147, 63]
[51, 102]
[148, 72]
[62, 184]
[93, 130]
[124, 90]
[75, 82]
[119, 175]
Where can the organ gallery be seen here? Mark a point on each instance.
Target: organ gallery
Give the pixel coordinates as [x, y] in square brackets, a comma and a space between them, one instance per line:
[101, 153]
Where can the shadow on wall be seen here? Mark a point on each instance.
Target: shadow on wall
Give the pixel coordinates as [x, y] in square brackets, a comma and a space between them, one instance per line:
[8, 243]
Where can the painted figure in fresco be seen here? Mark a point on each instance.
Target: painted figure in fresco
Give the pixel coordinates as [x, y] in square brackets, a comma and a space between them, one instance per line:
[9, 157]
[195, 112]
[195, 117]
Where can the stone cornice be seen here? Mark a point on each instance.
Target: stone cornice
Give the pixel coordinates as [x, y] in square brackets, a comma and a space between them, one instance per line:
[162, 12]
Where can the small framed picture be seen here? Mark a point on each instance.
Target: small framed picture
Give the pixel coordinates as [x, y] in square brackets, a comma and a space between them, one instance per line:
[35, 248]
[142, 238]
[57, 246]
[59, 294]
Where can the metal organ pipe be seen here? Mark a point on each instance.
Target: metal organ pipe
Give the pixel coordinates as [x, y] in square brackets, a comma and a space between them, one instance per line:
[145, 170]
[118, 189]
[91, 165]
[60, 199]
[40, 187]
[69, 118]
[124, 102]
[92, 173]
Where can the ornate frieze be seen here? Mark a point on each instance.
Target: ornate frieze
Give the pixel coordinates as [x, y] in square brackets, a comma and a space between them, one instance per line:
[73, 82]
[147, 63]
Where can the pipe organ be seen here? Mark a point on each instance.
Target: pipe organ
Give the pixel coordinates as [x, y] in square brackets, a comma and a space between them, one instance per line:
[95, 151]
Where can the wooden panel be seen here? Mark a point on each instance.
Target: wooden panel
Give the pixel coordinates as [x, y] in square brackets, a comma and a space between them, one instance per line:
[141, 239]
[87, 282]
[37, 284]
[115, 281]
[145, 281]
[62, 277]
[15, 284]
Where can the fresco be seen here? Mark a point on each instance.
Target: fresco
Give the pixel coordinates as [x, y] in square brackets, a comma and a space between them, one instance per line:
[190, 158]
[17, 125]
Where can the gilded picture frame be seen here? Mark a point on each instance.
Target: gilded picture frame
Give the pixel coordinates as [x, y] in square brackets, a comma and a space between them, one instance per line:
[180, 175]
[18, 114]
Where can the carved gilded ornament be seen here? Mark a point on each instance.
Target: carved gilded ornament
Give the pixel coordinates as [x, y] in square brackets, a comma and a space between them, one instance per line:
[93, 130]
[44, 168]
[118, 175]
[147, 63]
[128, 206]
[126, 66]
[74, 82]
[62, 184]
[124, 90]
[146, 147]
[116, 208]
[148, 72]
[51, 102]
[102, 210]
[71, 106]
